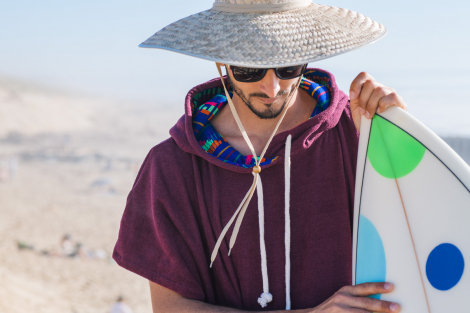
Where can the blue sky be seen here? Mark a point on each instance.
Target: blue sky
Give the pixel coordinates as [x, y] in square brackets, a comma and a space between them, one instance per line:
[91, 47]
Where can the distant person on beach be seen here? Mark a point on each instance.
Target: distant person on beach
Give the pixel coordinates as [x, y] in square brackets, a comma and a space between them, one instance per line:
[66, 245]
[71, 249]
[120, 306]
[271, 129]
[8, 168]
[4, 170]
[66, 248]
[13, 167]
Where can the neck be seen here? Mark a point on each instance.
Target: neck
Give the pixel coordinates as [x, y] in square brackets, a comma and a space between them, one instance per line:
[259, 130]
[262, 128]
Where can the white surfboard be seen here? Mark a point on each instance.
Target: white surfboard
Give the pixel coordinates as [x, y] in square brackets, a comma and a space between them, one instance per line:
[412, 215]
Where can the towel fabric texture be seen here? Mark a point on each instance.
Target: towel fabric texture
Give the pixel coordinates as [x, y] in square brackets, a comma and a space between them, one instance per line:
[183, 197]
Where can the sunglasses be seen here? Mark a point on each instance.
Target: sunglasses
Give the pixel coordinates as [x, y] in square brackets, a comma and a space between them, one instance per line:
[250, 75]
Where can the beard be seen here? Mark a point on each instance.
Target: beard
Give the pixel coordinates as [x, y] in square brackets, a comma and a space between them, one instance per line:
[269, 112]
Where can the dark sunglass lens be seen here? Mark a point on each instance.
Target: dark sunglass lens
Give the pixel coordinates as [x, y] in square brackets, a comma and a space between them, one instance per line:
[290, 71]
[247, 74]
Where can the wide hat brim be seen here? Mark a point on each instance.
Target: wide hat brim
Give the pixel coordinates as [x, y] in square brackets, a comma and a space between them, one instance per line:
[276, 39]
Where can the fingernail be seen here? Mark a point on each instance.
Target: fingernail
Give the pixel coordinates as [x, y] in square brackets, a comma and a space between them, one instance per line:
[352, 95]
[367, 114]
[394, 307]
[361, 110]
[388, 286]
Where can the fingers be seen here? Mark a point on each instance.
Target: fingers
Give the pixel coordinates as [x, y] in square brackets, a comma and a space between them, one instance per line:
[367, 289]
[374, 305]
[382, 97]
[360, 299]
[354, 299]
[356, 85]
[341, 308]
[367, 97]
[392, 99]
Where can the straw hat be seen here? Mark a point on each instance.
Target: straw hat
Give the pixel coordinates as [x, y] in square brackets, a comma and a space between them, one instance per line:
[267, 33]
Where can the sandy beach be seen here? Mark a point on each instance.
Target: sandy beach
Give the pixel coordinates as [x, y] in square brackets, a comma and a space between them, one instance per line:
[75, 160]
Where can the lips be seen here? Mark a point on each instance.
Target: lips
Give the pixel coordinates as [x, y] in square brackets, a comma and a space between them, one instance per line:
[267, 100]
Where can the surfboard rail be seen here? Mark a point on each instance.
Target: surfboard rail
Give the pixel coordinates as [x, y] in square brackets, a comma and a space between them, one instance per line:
[434, 151]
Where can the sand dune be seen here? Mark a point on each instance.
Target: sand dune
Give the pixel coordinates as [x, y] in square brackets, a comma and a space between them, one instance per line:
[29, 110]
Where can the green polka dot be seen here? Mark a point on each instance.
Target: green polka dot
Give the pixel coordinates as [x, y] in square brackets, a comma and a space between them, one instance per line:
[392, 152]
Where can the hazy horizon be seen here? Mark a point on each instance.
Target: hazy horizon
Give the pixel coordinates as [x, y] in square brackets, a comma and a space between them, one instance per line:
[91, 47]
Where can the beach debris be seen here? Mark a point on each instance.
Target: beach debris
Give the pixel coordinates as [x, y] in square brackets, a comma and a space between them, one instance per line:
[103, 186]
[23, 245]
[120, 306]
[68, 248]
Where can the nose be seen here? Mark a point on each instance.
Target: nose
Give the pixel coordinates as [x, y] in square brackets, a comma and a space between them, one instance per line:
[270, 84]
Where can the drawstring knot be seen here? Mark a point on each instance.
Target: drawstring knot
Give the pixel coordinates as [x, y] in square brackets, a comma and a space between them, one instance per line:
[264, 299]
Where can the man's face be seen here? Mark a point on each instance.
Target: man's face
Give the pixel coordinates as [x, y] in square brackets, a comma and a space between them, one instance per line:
[265, 98]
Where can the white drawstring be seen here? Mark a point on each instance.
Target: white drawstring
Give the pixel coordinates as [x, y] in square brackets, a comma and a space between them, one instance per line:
[248, 196]
[287, 217]
[265, 297]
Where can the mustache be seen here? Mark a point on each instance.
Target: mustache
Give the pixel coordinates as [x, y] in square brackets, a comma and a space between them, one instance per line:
[265, 96]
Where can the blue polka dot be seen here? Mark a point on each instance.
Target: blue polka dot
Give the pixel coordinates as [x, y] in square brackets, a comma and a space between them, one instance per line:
[445, 266]
[370, 258]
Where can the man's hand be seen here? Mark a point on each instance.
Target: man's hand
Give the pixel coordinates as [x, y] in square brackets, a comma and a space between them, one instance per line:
[353, 299]
[367, 96]
[349, 299]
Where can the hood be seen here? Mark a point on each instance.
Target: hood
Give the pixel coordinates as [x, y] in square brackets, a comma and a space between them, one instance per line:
[303, 136]
[282, 147]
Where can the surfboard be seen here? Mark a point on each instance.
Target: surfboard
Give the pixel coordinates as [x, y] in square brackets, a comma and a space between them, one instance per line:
[411, 215]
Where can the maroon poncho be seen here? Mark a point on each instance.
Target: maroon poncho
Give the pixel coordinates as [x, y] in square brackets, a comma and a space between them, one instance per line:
[183, 197]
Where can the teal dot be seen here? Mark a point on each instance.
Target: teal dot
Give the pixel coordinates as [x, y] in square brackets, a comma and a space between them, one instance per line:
[370, 257]
[392, 152]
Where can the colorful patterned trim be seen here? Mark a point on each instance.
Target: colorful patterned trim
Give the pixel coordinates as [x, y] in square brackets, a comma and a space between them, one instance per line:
[318, 85]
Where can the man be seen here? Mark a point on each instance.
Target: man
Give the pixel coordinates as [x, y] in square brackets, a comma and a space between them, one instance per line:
[293, 241]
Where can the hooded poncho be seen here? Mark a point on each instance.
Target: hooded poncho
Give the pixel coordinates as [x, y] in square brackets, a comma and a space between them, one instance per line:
[184, 196]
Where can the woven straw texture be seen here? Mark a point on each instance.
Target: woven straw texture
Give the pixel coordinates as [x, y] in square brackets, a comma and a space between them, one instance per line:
[254, 1]
[276, 39]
